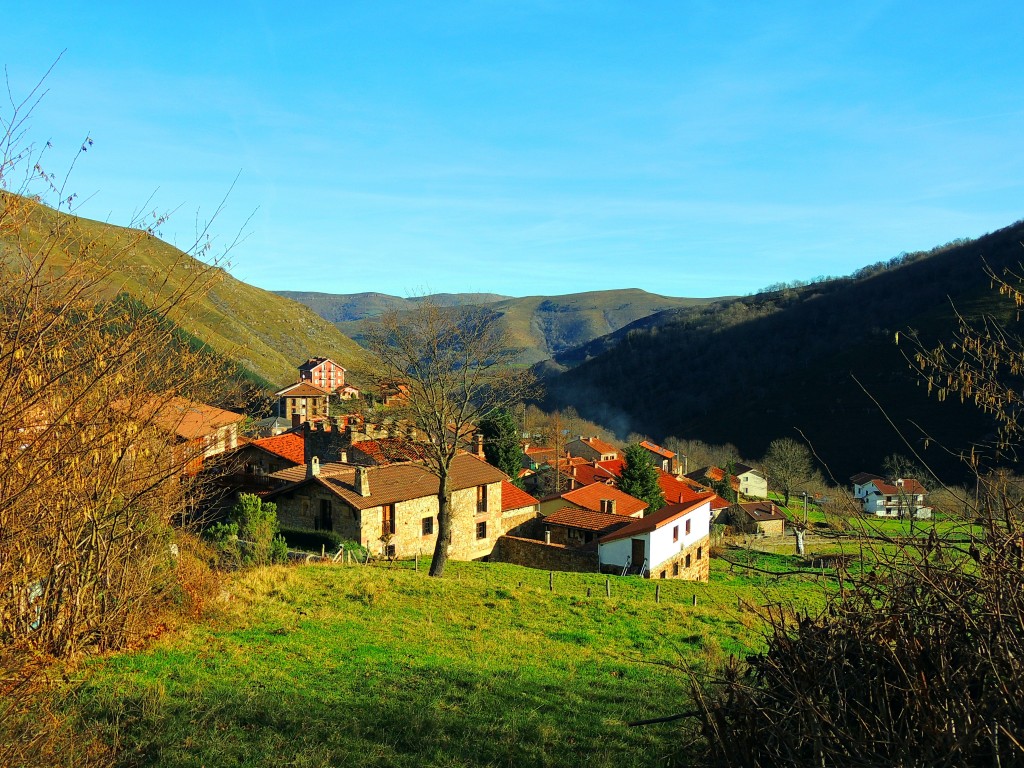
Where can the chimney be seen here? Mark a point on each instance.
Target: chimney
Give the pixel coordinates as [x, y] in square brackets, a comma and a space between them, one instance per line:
[362, 481]
[547, 535]
[479, 440]
[313, 468]
[343, 457]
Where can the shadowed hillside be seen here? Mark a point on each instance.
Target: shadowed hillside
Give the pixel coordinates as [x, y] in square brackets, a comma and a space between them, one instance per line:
[753, 369]
[542, 326]
[264, 333]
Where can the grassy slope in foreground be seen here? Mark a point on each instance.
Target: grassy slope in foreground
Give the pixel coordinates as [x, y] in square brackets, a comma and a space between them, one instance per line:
[374, 666]
[265, 333]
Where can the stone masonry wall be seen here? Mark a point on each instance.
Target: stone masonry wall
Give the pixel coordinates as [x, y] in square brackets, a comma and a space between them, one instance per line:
[700, 563]
[549, 557]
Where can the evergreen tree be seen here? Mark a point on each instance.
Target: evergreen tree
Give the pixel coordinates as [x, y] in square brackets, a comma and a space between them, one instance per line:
[501, 443]
[640, 478]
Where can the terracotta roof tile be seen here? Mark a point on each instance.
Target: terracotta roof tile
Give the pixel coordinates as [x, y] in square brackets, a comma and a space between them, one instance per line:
[656, 520]
[288, 445]
[388, 450]
[600, 445]
[585, 519]
[302, 389]
[590, 497]
[188, 419]
[515, 498]
[762, 511]
[653, 448]
[393, 482]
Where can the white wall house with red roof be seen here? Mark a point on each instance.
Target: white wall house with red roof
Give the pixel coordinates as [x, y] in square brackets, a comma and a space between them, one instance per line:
[670, 543]
[902, 497]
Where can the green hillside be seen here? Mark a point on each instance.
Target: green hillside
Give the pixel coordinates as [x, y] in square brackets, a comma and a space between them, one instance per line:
[542, 326]
[265, 333]
[761, 367]
[384, 666]
[350, 307]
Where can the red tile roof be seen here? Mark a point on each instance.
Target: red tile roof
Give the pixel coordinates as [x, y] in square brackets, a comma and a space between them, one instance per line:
[600, 445]
[287, 445]
[656, 520]
[657, 449]
[390, 483]
[387, 450]
[762, 511]
[590, 497]
[515, 498]
[302, 389]
[910, 486]
[188, 419]
[585, 519]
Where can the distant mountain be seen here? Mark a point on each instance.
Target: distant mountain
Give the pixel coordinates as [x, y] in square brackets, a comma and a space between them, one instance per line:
[541, 326]
[350, 307]
[756, 368]
[266, 334]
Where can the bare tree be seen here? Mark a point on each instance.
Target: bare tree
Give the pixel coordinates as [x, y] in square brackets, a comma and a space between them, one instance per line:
[451, 366]
[787, 463]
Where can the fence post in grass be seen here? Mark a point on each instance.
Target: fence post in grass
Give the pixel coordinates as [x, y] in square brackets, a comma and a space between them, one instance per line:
[607, 586]
[416, 563]
[551, 581]
[323, 551]
[588, 591]
[657, 593]
[694, 599]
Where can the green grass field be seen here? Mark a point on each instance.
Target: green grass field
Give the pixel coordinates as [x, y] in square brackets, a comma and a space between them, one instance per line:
[323, 666]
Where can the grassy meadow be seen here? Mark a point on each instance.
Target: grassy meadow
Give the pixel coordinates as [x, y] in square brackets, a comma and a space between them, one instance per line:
[380, 665]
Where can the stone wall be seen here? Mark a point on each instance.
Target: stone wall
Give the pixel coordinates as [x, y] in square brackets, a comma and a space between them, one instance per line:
[301, 509]
[549, 557]
[675, 567]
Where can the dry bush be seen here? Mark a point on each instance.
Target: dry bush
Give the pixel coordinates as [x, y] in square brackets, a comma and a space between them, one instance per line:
[919, 665]
[91, 478]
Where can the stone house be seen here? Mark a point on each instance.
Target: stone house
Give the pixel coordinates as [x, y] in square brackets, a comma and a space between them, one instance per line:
[302, 402]
[670, 543]
[592, 449]
[392, 509]
[576, 527]
[761, 517]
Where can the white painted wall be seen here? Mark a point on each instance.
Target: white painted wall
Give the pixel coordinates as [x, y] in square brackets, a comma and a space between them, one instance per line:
[658, 544]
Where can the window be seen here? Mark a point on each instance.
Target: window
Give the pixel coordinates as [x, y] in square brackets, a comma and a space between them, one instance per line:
[481, 501]
[662, 575]
[675, 533]
[688, 526]
[608, 506]
[324, 520]
[700, 553]
[675, 569]
[427, 526]
[387, 519]
[687, 561]
[481, 530]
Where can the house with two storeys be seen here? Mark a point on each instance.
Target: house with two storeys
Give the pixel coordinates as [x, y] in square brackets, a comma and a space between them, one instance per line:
[900, 497]
[392, 509]
[670, 543]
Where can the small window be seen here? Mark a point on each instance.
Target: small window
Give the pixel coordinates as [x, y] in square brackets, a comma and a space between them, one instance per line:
[662, 575]
[700, 553]
[481, 530]
[481, 500]
[675, 533]
[675, 569]
[687, 561]
[688, 526]
[428, 526]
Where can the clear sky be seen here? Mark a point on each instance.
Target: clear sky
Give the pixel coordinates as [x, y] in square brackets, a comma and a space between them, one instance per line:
[686, 148]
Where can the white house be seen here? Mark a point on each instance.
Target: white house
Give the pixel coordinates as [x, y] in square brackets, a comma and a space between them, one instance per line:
[669, 543]
[902, 497]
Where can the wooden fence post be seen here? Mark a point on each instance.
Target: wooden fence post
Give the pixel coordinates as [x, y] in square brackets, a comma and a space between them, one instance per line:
[607, 587]
[551, 581]
[657, 593]
[694, 599]
[588, 591]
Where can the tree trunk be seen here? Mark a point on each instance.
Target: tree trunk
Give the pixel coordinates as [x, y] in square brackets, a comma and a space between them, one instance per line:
[444, 527]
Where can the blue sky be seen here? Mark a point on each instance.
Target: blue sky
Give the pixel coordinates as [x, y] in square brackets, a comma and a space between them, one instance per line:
[685, 148]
